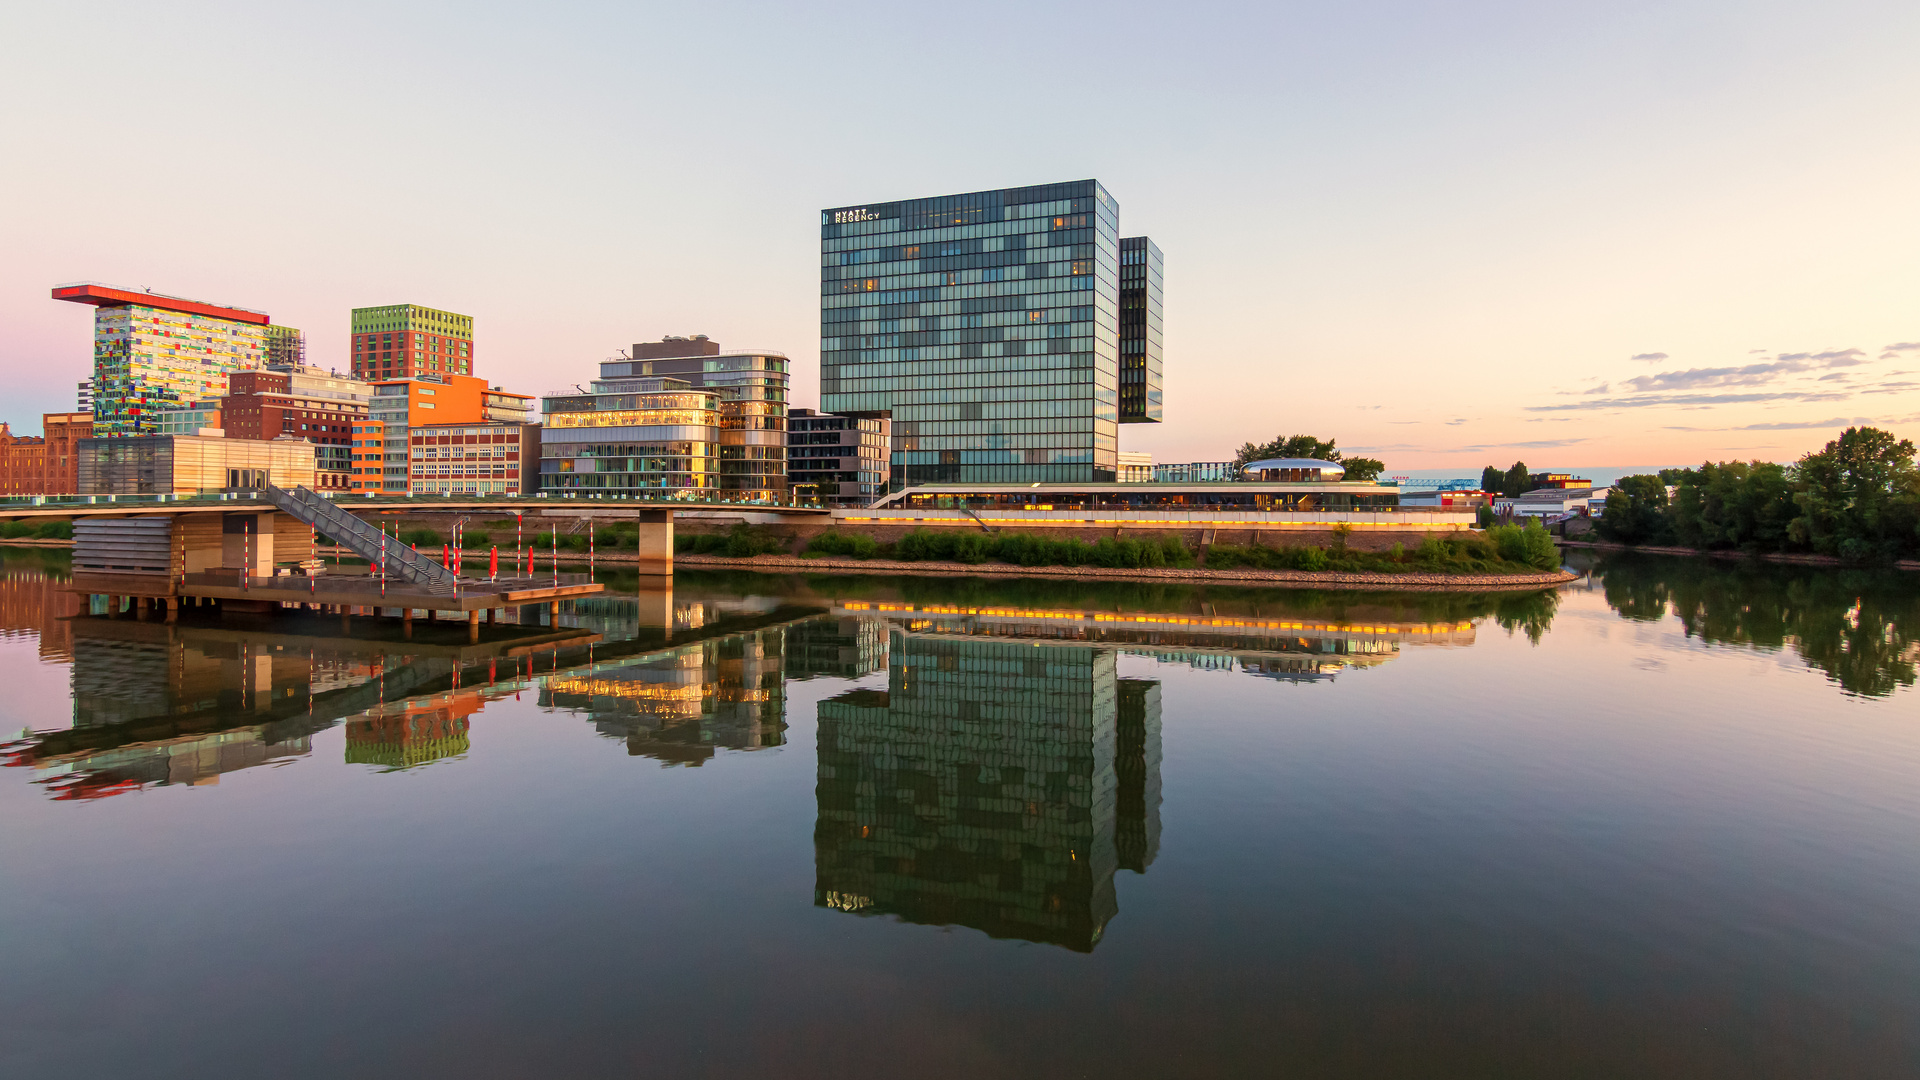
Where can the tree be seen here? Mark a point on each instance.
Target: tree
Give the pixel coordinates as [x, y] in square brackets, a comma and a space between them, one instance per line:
[1291, 446]
[1363, 469]
[1493, 481]
[1636, 511]
[1517, 482]
[1859, 497]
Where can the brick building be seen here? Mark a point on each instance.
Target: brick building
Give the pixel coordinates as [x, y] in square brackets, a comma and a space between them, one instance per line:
[303, 403]
[23, 463]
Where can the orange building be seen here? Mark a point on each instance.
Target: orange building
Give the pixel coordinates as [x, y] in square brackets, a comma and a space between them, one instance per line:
[400, 405]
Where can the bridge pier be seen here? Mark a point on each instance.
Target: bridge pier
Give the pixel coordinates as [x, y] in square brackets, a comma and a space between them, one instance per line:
[655, 542]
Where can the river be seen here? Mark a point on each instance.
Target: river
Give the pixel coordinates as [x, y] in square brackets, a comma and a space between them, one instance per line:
[1663, 821]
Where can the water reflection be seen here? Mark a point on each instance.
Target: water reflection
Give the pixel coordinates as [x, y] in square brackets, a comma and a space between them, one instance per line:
[1860, 627]
[681, 705]
[994, 784]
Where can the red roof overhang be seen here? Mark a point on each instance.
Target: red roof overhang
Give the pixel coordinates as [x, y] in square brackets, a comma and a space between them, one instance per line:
[108, 296]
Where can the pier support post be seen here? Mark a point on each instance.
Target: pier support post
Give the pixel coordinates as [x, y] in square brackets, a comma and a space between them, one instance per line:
[140, 608]
[655, 548]
[473, 626]
[491, 612]
[173, 609]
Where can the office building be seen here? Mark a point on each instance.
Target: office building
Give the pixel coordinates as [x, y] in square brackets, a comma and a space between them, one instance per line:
[153, 352]
[189, 420]
[295, 401]
[400, 341]
[987, 325]
[1140, 278]
[190, 464]
[368, 457]
[1136, 467]
[473, 459]
[632, 437]
[435, 401]
[837, 460]
[83, 399]
[752, 388]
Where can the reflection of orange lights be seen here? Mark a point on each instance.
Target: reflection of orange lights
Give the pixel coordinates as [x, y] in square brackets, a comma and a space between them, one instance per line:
[1196, 621]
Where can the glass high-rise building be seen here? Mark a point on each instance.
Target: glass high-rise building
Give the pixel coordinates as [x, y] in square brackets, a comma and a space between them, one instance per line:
[1140, 273]
[987, 325]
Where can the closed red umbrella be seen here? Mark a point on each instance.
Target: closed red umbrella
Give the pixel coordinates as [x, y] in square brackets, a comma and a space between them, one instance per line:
[493, 563]
[446, 556]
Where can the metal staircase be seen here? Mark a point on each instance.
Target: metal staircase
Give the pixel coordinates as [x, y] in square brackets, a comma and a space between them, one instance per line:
[364, 540]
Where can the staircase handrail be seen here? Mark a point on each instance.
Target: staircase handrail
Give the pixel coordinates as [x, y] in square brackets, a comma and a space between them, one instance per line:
[364, 540]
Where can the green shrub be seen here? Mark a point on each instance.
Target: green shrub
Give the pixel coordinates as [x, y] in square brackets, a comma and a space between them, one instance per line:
[844, 545]
[421, 538]
[1527, 545]
[13, 530]
[473, 539]
[743, 541]
[55, 530]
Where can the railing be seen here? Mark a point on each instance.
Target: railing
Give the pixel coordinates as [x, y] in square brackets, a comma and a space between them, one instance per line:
[364, 540]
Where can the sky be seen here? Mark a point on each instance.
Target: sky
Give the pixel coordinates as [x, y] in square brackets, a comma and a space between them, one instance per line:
[1444, 234]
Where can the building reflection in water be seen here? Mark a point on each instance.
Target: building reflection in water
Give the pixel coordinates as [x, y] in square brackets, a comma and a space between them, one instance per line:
[409, 733]
[678, 706]
[994, 784]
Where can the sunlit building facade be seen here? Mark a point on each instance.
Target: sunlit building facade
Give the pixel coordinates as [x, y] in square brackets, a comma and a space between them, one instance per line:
[401, 340]
[154, 352]
[752, 397]
[632, 436]
[986, 325]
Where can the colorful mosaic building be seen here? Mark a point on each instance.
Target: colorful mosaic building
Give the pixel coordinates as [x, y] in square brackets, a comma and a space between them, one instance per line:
[153, 352]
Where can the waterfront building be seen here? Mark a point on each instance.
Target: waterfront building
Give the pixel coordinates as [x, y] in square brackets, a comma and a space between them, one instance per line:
[473, 459]
[753, 406]
[1136, 467]
[986, 325]
[1140, 333]
[153, 352]
[1293, 470]
[1196, 472]
[993, 784]
[837, 460]
[398, 405]
[190, 464]
[1555, 502]
[23, 463]
[368, 457]
[1556, 480]
[190, 419]
[62, 431]
[631, 436]
[83, 398]
[295, 401]
[403, 340]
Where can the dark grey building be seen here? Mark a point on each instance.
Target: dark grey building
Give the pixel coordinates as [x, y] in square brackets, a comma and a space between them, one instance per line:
[1140, 274]
[987, 325]
[838, 460]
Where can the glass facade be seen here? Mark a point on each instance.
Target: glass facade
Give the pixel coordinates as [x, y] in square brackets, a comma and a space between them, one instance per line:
[632, 437]
[837, 460]
[986, 325]
[752, 390]
[1140, 276]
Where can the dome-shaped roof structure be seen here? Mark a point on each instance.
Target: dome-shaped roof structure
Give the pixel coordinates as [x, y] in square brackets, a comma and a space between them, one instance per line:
[1294, 468]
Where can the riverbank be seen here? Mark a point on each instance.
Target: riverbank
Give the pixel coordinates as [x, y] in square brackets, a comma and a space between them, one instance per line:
[1319, 579]
[1787, 558]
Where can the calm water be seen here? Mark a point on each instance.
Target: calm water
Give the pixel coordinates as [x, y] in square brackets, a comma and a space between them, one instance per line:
[1664, 822]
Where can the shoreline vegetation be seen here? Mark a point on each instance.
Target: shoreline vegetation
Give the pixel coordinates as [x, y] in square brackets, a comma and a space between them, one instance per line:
[1856, 501]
